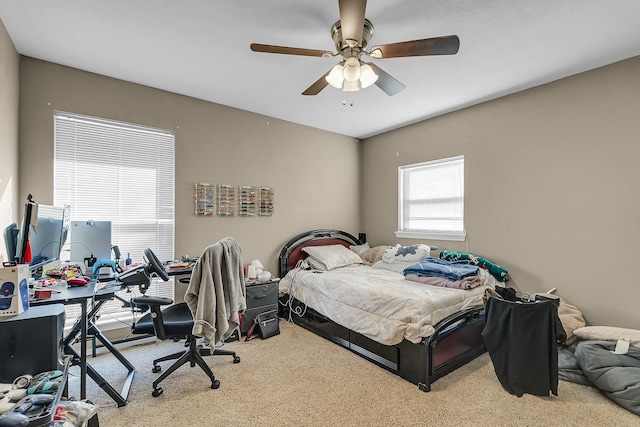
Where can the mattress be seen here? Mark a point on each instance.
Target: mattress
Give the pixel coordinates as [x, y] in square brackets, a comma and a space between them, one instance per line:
[378, 303]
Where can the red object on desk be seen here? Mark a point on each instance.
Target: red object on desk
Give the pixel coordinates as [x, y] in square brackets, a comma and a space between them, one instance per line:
[78, 281]
[42, 293]
[28, 256]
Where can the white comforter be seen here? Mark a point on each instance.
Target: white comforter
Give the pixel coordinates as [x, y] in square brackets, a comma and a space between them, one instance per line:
[377, 303]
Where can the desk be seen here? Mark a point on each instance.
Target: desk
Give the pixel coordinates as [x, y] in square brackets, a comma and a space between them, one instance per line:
[186, 271]
[83, 325]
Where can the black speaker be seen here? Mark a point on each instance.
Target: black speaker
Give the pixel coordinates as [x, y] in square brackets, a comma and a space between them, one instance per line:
[31, 342]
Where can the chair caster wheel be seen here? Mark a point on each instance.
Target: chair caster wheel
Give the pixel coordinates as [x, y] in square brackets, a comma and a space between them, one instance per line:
[157, 392]
[215, 384]
[156, 369]
[236, 359]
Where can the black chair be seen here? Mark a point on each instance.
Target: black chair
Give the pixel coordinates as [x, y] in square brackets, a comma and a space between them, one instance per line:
[175, 322]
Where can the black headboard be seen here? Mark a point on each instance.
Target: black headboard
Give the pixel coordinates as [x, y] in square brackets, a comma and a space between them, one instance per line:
[292, 252]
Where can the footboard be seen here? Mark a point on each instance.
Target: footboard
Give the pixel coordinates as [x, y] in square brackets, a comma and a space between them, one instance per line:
[457, 341]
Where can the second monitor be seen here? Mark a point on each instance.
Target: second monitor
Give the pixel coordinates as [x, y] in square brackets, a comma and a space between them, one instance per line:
[90, 239]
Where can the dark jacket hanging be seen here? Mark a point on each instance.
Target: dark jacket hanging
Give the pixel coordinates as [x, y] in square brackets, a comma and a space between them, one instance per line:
[521, 339]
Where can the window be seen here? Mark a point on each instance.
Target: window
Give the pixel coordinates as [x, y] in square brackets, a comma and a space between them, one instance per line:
[431, 200]
[123, 173]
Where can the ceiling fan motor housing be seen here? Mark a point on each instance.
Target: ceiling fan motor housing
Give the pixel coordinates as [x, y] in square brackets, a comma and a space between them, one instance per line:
[343, 45]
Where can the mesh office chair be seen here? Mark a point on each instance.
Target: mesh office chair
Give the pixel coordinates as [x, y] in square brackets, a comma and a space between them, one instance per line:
[174, 322]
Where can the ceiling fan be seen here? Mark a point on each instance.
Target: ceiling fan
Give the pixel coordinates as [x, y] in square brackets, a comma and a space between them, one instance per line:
[351, 35]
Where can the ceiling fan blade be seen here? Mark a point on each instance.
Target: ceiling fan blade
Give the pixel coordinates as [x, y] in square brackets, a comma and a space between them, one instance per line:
[352, 19]
[256, 47]
[446, 45]
[385, 81]
[317, 86]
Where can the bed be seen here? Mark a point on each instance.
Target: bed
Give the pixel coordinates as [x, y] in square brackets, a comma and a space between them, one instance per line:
[418, 347]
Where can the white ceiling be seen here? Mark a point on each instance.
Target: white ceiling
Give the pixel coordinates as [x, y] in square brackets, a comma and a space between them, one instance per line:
[200, 48]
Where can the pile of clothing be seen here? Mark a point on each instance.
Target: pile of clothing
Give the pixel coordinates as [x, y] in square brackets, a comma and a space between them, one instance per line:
[456, 270]
[501, 274]
[437, 272]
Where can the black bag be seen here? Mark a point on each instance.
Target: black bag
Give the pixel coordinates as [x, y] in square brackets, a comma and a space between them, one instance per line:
[267, 323]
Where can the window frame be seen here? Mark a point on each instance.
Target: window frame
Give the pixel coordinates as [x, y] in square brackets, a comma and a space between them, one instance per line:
[434, 234]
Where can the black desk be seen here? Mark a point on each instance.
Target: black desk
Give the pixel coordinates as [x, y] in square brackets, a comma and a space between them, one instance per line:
[84, 325]
[179, 271]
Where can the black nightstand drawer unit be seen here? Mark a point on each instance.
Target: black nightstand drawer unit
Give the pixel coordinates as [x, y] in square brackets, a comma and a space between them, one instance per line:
[261, 297]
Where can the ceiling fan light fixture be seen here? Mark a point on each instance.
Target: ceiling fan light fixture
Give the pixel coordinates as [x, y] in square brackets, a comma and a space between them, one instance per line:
[334, 78]
[351, 86]
[352, 70]
[368, 77]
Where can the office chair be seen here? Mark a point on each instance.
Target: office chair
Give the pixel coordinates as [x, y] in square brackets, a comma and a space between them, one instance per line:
[174, 322]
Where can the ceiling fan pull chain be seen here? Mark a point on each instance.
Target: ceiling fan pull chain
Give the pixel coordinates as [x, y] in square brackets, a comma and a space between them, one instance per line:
[344, 99]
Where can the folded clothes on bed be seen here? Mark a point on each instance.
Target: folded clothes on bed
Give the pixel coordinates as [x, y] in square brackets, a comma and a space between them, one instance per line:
[468, 282]
[435, 267]
[496, 271]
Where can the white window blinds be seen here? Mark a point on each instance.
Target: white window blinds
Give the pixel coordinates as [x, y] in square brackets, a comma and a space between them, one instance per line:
[118, 172]
[431, 200]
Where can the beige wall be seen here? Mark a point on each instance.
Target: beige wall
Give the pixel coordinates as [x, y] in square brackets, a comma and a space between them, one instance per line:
[550, 174]
[551, 186]
[9, 60]
[214, 144]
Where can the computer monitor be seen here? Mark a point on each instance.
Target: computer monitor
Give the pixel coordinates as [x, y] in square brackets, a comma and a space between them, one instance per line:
[40, 238]
[48, 235]
[90, 240]
[11, 240]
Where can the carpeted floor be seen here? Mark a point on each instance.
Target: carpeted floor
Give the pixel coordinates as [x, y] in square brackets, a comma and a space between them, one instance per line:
[300, 379]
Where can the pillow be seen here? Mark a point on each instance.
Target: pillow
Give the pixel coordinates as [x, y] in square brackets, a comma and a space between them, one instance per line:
[315, 265]
[413, 253]
[571, 319]
[397, 266]
[608, 333]
[333, 256]
[359, 249]
[373, 255]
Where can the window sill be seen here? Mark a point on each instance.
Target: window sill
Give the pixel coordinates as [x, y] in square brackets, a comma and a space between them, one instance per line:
[456, 237]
